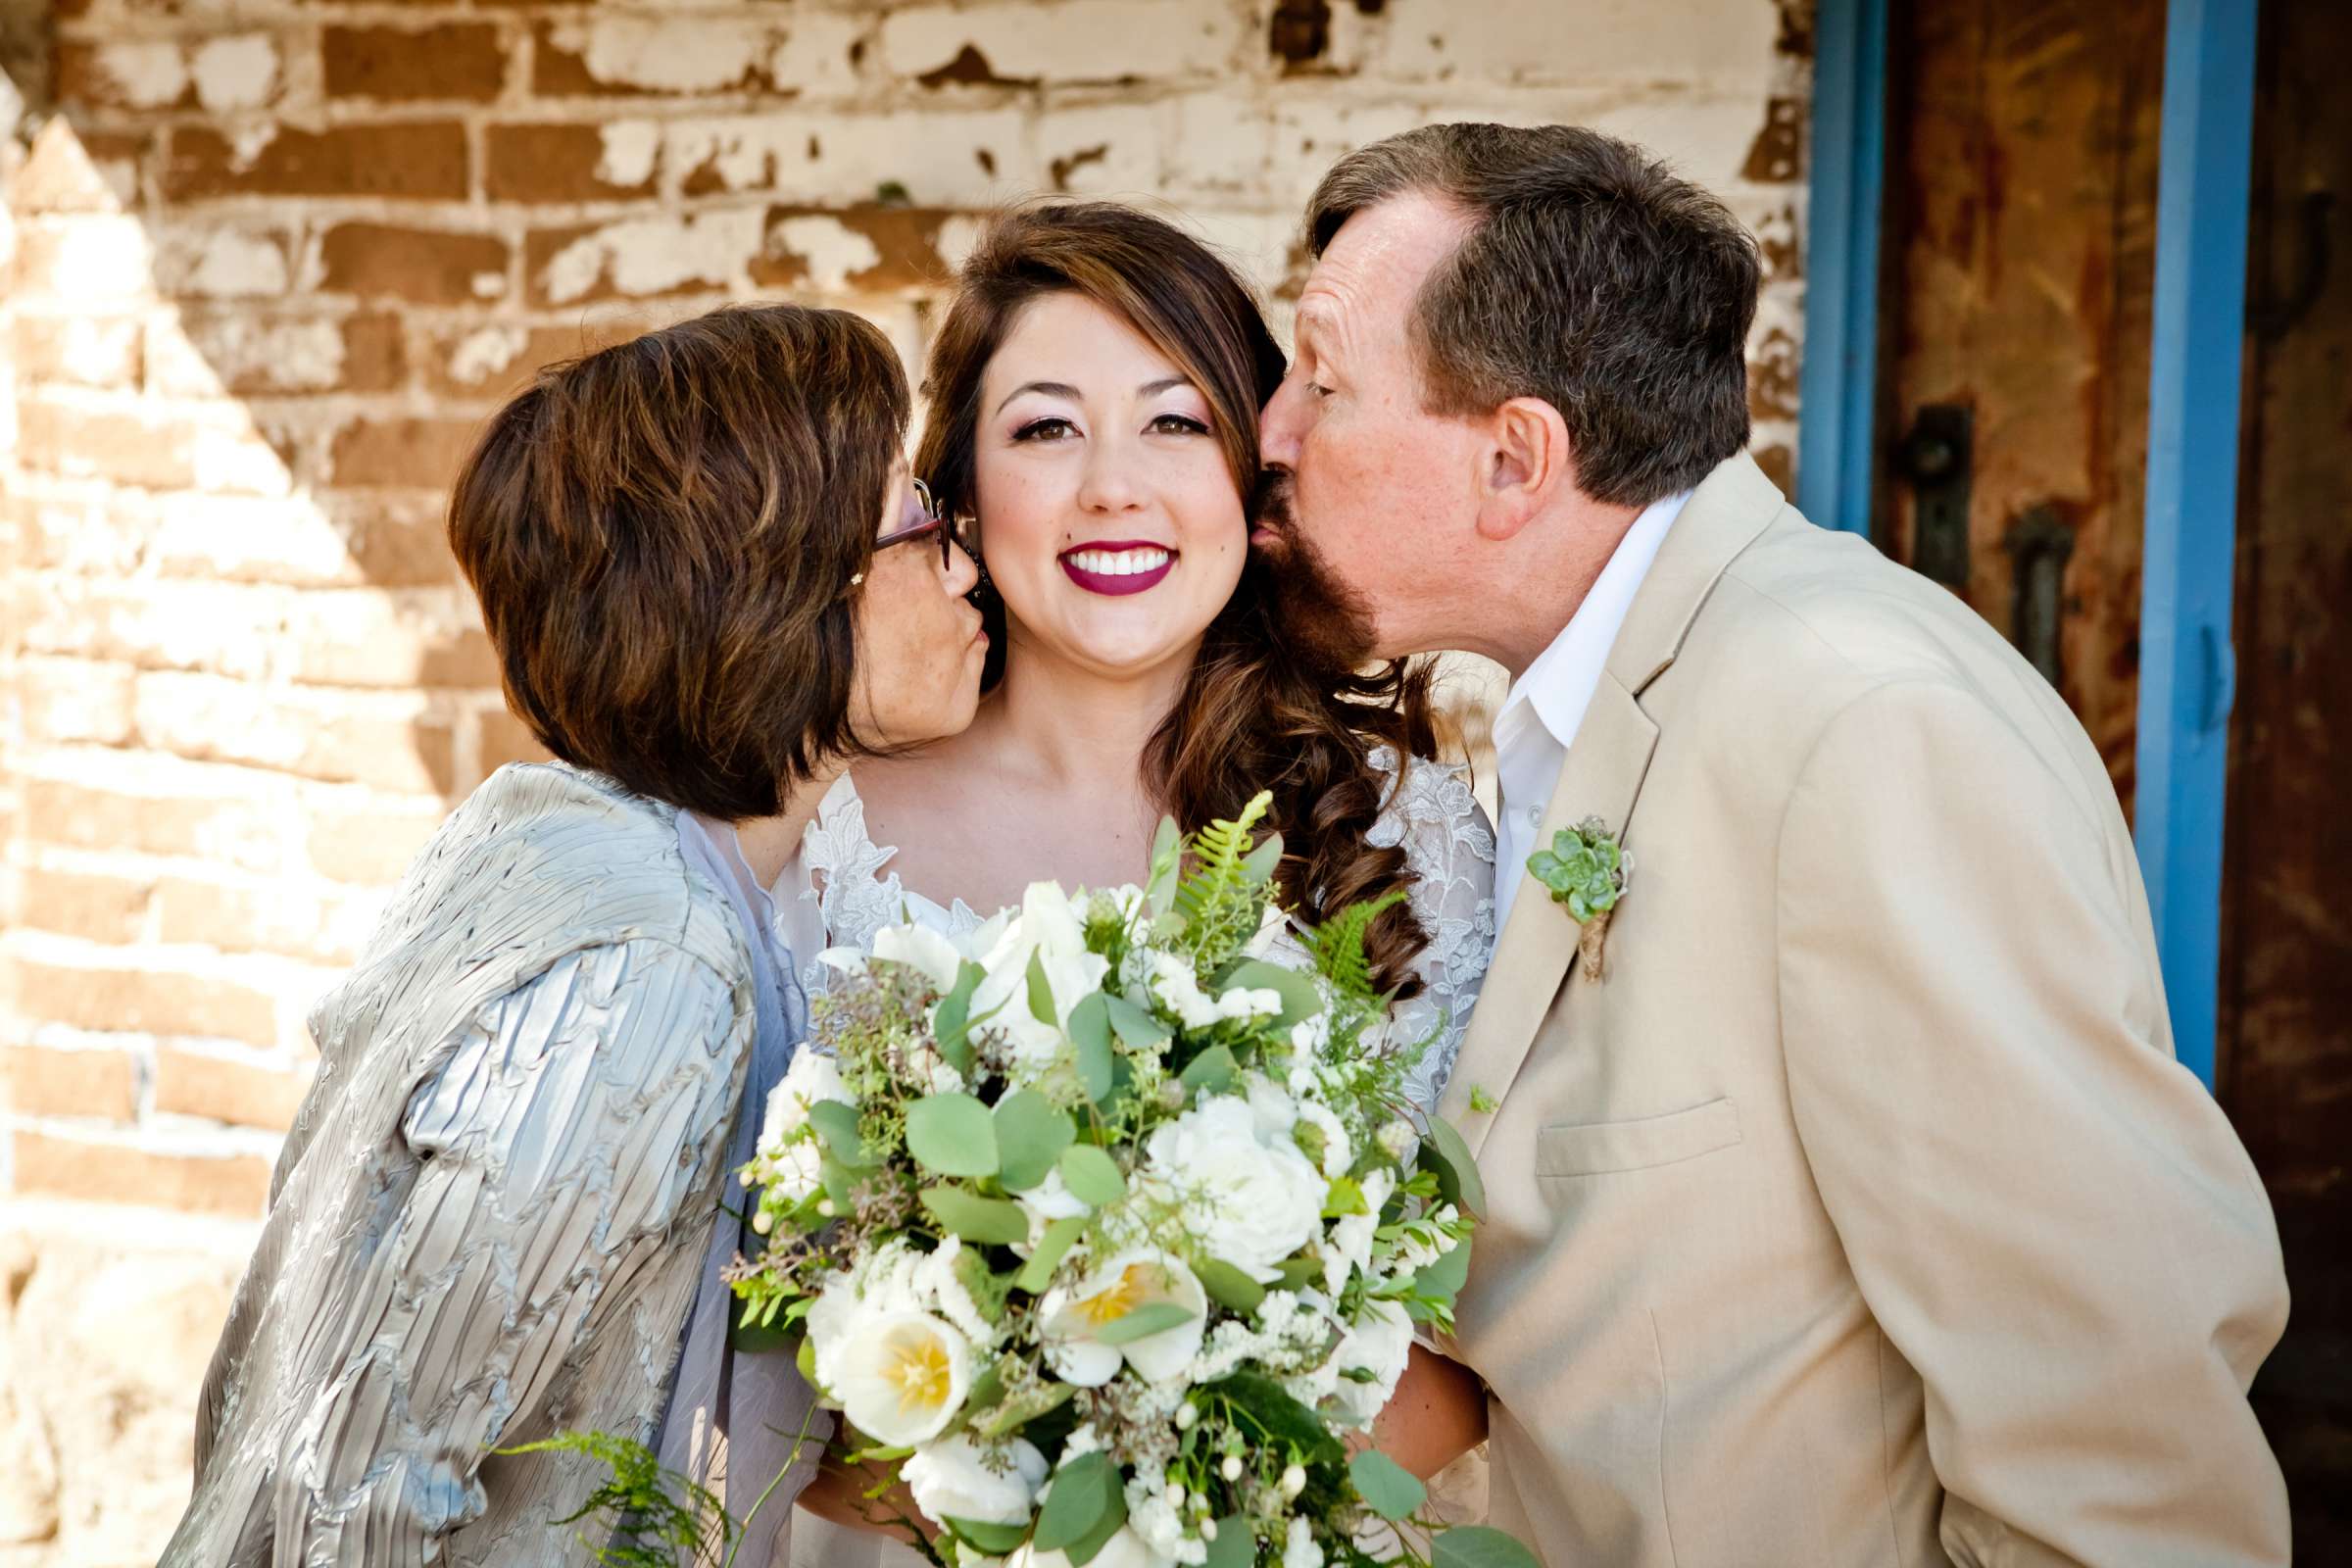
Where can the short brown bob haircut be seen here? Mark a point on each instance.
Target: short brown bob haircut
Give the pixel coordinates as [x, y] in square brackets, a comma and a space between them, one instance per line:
[664, 536]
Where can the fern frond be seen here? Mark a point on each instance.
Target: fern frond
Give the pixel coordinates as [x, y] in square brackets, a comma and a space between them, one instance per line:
[1338, 945]
[1219, 898]
[657, 1518]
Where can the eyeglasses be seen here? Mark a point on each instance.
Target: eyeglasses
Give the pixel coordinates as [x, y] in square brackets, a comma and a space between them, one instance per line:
[931, 523]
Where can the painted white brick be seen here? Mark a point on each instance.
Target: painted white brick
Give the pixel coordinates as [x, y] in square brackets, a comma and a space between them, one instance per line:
[813, 56]
[1079, 40]
[657, 255]
[1589, 42]
[1109, 151]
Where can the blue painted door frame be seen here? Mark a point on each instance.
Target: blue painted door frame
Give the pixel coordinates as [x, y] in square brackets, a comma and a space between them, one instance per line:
[2187, 670]
[2186, 662]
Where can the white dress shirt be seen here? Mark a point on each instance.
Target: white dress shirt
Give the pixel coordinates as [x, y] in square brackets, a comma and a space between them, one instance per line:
[1545, 707]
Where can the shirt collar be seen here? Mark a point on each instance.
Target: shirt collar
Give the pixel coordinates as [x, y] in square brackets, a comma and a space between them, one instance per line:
[1558, 686]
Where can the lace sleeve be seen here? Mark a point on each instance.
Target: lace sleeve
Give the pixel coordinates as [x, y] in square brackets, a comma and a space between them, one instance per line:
[1451, 847]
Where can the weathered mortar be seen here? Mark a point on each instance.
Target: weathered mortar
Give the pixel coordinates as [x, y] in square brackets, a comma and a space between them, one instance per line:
[273, 262]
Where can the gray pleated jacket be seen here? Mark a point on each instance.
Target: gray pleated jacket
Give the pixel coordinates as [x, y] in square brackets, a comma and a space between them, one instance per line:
[489, 1218]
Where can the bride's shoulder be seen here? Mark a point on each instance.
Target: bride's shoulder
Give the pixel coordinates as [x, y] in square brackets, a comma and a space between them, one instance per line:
[1433, 799]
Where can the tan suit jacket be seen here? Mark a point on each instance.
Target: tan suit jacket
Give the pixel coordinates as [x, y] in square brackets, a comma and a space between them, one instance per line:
[1859, 1214]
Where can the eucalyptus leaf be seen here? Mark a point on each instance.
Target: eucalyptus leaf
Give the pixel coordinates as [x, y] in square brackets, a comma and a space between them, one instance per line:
[1257, 868]
[836, 1124]
[1387, 1487]
[1298, 1271]
[1086, 1491]
[1152, 1318]
[1212, 1072]
[1167, 863]
[1031, 1134]
[996, 1540]
[1040, 991]
[988, 1220]
[1300, 1000]
[1038, 1272]
[1137, 1027]
[1228, 1286]
[840, 1183]
[1093, 1042]
[1093, 1176]
[952, 1134]
[1233, 1547]
[952, 1022]
[1458, 1181]
[1444, 1278]
[1478, 1546]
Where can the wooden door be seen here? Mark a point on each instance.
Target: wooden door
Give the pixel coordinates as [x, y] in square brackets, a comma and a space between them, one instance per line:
[2020, 262]
[2286, 914]
[2021, 256]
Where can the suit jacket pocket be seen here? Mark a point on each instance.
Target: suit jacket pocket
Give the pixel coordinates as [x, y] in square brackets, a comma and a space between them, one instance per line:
[1594, 1148]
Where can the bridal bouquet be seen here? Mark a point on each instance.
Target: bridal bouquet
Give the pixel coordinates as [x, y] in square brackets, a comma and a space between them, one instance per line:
[1103, 1228]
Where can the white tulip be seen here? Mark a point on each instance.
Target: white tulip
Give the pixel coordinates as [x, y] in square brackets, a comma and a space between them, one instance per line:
[955, 1478]
[1051, 931]
[902, 1376]
[1072, 1317]
[1124, 1550]
[932, 956]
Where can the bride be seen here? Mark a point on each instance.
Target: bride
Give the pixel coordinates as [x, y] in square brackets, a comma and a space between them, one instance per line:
[1092, 436]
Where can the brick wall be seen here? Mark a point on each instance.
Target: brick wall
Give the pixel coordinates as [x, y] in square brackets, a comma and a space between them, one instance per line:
[271, 262]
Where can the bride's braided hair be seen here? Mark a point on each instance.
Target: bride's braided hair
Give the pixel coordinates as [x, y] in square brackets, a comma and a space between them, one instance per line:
[1257, 712]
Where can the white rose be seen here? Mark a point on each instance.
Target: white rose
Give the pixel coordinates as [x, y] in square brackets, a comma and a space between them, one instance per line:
[1255, 1197]
[996, 1486]
[902, 1376]
[1300, 1550]
[1381, 1343]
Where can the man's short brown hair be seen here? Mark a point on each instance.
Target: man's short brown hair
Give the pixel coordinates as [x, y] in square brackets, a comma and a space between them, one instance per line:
[1592, 277]
[662, 535]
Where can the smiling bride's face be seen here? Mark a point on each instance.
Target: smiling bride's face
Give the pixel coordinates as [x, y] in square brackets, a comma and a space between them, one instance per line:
[1108, 519]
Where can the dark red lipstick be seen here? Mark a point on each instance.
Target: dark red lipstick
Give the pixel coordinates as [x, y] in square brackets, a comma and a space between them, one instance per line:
[1098, 581]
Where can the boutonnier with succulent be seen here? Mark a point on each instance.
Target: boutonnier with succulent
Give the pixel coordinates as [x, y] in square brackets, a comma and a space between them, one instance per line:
[1589, 871]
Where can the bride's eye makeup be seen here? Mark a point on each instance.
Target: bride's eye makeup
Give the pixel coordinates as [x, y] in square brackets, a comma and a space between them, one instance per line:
[1052, 427]
[1178, 425]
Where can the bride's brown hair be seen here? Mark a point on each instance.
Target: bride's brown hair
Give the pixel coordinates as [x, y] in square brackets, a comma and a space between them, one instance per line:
[1255, 712]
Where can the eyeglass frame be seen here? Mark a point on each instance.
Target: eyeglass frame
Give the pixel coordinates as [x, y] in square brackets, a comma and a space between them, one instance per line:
[932, 523]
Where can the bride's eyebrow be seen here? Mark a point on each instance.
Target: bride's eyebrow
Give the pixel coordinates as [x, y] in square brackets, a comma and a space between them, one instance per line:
[1051, 389]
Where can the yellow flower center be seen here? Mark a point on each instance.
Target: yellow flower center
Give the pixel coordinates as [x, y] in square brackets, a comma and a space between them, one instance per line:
[920, 1369]
[1114, 1301]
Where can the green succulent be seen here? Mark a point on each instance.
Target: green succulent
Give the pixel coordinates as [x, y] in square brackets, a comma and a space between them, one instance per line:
[1585, 869]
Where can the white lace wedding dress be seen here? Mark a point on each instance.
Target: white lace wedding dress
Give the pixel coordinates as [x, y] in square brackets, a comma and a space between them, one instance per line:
[849, 890]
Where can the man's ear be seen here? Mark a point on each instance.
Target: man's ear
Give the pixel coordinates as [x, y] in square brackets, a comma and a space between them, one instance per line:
[1525, 461]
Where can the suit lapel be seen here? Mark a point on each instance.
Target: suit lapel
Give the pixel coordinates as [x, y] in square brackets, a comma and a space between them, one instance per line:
[1602, 777]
